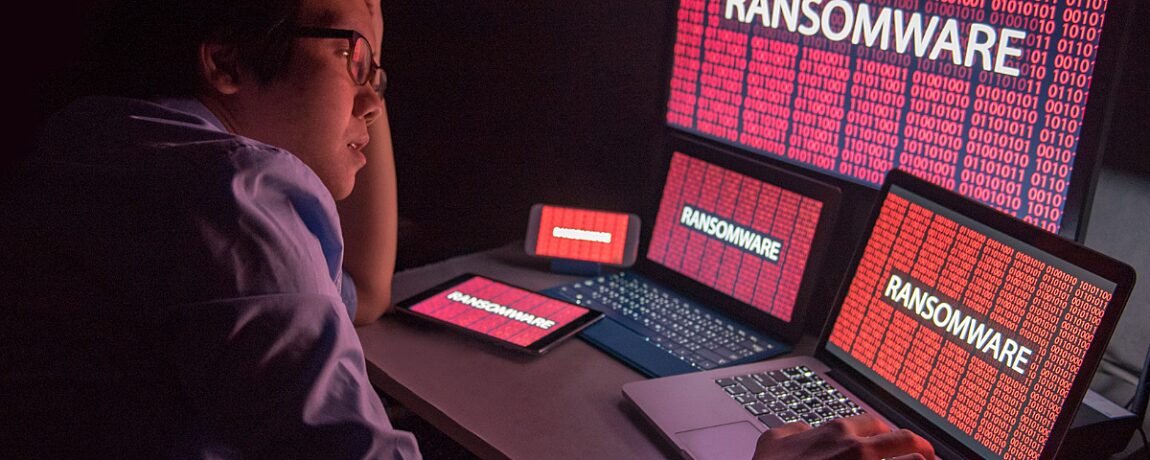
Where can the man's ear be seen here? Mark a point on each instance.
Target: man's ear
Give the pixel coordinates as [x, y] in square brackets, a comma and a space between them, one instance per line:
[219, 67]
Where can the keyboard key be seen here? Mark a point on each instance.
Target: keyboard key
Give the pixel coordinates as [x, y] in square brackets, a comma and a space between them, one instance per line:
[725, 382]
[711, 355]
[788, 416]
[735, 389]
[746, 398]
[777, 376]
[728, 353]
[771, 420]
[751, 384]
[757, 408]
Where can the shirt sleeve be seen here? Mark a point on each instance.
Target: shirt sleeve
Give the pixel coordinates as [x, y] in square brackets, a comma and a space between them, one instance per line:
[277, 376]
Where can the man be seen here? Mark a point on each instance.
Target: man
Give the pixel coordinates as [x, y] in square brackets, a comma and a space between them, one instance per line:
[177, 283]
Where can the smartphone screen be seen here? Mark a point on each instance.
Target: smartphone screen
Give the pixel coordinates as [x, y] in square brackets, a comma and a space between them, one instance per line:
[605, 237]
[496, 311]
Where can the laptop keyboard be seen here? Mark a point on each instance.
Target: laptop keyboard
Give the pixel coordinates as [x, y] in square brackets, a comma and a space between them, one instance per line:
[677, 325]
[789, 395]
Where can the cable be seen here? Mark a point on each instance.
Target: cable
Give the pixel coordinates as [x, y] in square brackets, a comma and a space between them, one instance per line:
[1137, 403]
[1119, 371]
[1145, 445]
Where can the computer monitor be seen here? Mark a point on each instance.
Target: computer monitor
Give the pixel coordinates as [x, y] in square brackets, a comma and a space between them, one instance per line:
[1003, 101]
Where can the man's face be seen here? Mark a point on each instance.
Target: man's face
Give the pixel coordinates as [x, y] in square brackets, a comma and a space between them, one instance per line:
[314, 109]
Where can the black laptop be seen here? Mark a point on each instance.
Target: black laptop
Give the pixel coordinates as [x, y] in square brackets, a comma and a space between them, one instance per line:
[725, 269]
[967, 326]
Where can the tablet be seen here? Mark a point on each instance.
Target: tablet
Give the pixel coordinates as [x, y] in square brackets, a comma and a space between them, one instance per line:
[499, 312]
[588, 235]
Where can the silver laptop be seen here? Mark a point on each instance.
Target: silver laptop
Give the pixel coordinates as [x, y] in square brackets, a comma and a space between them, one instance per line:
[969, 327]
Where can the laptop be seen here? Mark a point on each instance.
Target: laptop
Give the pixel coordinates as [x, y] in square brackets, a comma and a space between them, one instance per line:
[975, 330]
[725, 268]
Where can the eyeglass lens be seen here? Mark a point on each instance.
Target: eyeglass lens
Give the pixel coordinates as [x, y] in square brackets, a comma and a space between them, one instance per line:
[362, 63]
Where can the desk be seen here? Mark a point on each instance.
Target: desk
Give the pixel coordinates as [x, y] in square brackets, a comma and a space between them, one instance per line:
[498, 403]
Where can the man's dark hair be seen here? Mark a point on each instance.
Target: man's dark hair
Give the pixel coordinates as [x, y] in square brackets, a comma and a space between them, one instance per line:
[149, 48]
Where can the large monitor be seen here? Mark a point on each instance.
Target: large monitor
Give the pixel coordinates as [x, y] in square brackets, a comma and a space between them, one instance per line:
[1003, 101]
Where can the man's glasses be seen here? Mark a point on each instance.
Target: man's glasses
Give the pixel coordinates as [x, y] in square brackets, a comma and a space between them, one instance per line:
[360, 58]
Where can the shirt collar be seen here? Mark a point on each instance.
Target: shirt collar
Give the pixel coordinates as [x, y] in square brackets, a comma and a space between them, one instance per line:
[194, 107]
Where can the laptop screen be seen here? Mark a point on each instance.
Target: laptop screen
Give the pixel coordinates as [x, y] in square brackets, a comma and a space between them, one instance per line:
[980, 333]
[736, 234]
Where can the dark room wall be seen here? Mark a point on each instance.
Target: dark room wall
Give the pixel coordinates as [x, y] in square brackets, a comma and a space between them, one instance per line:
[499, 105]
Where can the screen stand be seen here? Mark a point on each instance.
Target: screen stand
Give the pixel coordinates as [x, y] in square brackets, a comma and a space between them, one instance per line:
[576, 267]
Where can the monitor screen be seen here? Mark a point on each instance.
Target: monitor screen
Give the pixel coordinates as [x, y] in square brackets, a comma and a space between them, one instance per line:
[978, 332]
[741, 236]
[983, 97]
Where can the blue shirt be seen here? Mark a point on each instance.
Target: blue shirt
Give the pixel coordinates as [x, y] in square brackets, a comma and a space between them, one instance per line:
[174, 290]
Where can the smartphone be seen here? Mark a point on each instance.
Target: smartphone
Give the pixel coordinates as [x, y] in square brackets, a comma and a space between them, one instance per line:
[497, 312]
[605, 237]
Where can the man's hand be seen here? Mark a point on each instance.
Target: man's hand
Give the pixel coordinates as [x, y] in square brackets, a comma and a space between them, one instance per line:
[859, 437]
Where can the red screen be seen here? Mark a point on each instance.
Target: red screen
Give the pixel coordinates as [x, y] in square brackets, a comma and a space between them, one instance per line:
[498, 310]
[998, 360]
[983, 97]
[743, 237]
[582, 234]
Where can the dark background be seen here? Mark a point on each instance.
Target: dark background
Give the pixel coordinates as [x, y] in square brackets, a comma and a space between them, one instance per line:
[497, 105]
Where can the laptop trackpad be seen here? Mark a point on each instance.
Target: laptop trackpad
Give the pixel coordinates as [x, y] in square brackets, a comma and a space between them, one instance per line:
[733, 440]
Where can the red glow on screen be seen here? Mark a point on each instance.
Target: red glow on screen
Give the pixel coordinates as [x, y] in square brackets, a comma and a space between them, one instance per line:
[856, 109]
[498, 310]
[1038, 306]
[581, 234]
[756, 249]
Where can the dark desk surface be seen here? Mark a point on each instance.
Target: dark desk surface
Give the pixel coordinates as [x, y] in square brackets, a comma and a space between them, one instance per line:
[501, 404]
[498, 403]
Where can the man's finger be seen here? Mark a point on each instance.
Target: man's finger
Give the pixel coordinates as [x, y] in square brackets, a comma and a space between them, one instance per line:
[915, 456]
[862, 425]
[785, 430]
[899, 442]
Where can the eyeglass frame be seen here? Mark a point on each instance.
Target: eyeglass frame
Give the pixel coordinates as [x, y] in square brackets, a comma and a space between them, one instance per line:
[352, 37]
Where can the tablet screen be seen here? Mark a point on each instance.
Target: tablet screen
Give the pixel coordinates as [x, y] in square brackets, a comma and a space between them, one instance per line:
[500, 311]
